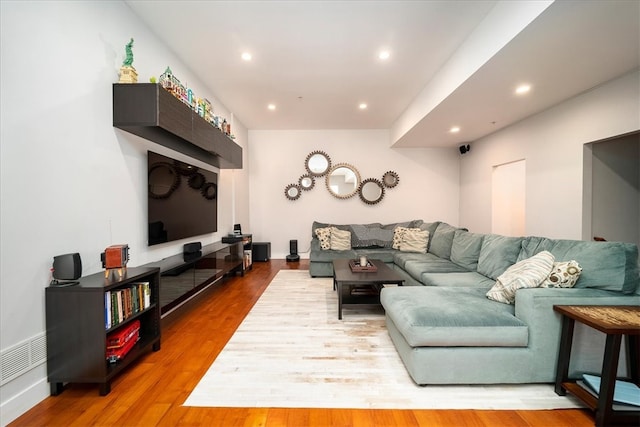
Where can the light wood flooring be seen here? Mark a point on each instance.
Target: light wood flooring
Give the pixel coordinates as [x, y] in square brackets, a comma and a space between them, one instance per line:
[151, 392]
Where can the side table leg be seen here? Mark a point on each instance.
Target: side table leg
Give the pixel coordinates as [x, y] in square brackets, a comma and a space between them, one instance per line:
[633, 358]
[339, 285]
[608, 382]
[564, 354]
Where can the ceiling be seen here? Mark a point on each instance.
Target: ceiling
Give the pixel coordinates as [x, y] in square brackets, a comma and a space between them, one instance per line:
[316, 61]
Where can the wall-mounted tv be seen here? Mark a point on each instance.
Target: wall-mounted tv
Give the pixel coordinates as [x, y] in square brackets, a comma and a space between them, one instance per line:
[183, 199]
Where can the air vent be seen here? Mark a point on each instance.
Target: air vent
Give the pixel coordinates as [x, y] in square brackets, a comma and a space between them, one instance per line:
[22, 357]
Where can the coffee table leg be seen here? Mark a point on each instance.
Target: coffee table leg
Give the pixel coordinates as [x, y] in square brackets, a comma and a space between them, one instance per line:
[339, 300]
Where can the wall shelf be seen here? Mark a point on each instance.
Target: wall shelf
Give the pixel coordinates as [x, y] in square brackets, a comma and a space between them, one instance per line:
[150, 112]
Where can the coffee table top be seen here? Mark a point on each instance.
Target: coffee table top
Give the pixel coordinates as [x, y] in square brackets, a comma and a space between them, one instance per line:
[342, 273]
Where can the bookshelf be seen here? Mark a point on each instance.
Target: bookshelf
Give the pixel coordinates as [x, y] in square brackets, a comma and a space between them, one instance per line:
[79, 320]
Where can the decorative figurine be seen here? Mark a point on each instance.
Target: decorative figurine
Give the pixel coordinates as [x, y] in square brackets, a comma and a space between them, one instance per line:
[115, 258]
[128, 74]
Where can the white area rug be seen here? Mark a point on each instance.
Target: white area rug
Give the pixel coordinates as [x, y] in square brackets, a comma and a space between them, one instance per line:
[292, 351]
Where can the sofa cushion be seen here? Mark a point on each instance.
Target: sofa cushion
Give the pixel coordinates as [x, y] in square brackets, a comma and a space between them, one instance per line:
[611, 266]
[465, 249]
[498, 253]
[414, 240]
[468, 279]
[318, 255]
[383, 254]
[436, 265]
[452, 317]
[340, 239]
[442, 239]
[528, 273]
[398, 235]
[324, 236]
[431, 228]
[401, 258]
[563, 275]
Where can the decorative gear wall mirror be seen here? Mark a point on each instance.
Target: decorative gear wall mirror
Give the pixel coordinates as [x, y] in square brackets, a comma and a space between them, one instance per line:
[342, 180]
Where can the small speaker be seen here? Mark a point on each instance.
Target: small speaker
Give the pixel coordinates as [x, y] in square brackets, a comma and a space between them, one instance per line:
[67, 267]
[190, 248]
[464, 148]
[237, 229]
[293, 249]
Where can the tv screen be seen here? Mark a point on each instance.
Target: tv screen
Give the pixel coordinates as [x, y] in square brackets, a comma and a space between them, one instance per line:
[183, 199]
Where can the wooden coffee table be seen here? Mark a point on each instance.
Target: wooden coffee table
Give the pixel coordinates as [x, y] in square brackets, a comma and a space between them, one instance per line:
[361, 287]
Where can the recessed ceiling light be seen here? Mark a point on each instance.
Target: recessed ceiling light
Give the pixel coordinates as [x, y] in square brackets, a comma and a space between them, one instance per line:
[362, 106]
[384, 55]
[271, 107]
[246, 56]
[522, 89]
[454, 129]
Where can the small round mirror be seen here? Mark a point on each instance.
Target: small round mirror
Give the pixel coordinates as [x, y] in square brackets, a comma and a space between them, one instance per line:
[390, 179]
[343, 180]
[371, 191]
[163, 180]
[317, 163]
[292, 191]
[306, 182]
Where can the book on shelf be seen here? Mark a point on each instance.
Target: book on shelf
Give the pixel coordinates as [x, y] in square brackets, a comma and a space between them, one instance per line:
[625, 392]
[122, 303]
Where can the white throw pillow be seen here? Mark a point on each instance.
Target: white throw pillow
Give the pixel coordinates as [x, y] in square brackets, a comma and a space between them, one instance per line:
[563, 275]
[415, 240]
[398, 235]
[528, 273]
[324, 235]
[340, 239]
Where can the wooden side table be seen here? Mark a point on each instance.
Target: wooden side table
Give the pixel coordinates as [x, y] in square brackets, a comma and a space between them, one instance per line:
[615, 322]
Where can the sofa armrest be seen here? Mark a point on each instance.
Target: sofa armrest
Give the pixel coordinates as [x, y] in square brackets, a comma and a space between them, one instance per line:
[534, 306]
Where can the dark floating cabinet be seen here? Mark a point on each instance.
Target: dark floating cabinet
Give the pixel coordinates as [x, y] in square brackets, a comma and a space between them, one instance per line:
[151, 112]
[77, 328]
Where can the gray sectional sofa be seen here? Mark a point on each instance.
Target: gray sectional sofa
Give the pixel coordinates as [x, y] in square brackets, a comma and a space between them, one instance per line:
[445, 328]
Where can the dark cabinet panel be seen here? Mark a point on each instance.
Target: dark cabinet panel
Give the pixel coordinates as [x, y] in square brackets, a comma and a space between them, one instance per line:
[150, 112]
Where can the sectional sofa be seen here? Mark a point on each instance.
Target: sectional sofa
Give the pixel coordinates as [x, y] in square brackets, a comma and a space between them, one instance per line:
[474, 310]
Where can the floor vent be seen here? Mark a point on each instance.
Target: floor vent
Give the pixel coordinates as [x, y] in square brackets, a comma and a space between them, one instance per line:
[22, 357]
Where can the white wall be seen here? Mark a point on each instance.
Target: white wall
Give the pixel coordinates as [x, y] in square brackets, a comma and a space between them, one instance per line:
[428, 187]
[551, 142]
[70, 182]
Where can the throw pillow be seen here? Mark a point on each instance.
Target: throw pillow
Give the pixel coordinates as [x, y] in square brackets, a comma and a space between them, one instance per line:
[528, 273]
[398, 235]
[563, 275]
[415, 240]
[340, 239]
[324, 235]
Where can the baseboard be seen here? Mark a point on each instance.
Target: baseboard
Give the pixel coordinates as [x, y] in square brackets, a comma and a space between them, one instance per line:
[21, 402]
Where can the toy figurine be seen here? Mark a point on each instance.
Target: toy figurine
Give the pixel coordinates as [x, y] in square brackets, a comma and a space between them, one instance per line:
[128, 74]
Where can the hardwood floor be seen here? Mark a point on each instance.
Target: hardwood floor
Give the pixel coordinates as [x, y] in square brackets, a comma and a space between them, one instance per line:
[151, 392]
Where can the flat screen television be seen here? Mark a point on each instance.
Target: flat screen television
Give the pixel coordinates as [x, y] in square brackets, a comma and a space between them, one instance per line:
[182, 199]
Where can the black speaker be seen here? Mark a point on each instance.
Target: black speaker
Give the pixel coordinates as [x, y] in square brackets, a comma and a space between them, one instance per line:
[190, 248]
[66, 267]
[293, 249]
[464, 148]
[237, 229]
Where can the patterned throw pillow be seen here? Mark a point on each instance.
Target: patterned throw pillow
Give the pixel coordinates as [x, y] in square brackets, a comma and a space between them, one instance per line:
[324, 235]
[563, 275]
[528, 273]
[340, 239]
[398, 235]
[415, 240]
